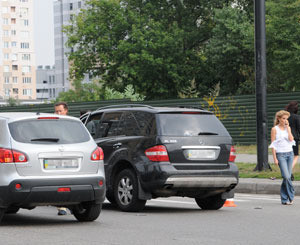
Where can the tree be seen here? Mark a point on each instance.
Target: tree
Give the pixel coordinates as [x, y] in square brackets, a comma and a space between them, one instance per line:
[283, 45]
[230, 51]
[154, 45]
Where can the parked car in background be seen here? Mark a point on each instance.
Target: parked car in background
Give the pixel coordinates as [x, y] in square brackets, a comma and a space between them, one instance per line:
[155, 152]
[48, 159]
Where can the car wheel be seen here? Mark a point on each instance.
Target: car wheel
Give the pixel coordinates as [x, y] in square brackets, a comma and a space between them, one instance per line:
[12, 210]
[126, 192]
[87, 212]
[210, 203]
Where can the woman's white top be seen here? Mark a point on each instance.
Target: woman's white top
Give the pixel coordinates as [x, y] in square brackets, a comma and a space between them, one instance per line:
[282, 142]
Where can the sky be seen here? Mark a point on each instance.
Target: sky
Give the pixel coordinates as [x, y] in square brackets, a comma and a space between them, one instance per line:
[44, 32]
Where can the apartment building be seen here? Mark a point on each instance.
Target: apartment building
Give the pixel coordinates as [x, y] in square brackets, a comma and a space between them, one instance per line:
[45, 83]
[17, 59]
[64, 11]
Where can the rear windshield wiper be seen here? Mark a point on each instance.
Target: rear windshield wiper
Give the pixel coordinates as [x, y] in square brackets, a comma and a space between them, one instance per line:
[46, 139]
[207, 133]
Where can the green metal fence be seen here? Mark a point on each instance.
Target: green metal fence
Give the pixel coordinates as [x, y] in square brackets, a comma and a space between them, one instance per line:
[238, 113]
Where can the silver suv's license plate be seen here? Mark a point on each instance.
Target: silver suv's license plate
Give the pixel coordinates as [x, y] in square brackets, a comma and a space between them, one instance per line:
[51, 164]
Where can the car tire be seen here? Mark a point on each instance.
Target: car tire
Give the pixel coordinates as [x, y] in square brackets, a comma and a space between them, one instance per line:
[12, 210]
[210, 203]
[87, 212]
[126, 192]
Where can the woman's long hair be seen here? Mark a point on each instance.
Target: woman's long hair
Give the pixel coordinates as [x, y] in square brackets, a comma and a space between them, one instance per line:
[280, 114]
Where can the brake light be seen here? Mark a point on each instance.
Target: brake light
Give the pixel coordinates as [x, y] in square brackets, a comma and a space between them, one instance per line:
[232, 154]
[97, 154]
[11, 156]
[157, 153]
[64, 189]
[48, 118]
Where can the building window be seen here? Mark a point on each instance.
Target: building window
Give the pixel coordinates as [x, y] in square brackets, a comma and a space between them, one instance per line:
[6, 56]
[6, 80]
[13, 9]
[15, 79]
[23, 1]
[14, 44]
[25, 56]
[7, 92]
[71, 6]
[5, 33]
[27, 91]
[71, 17]
[14, 57]
[5, 21]
[53, 92]
[13, 20]
[24, 45]
[13, 32]
[6, 68]
[6, 45]
[25, 34]
[4, 10]
[79, 4]
[26, 69]
[15, 90]
[26, 79]
[14, 67]
[24, 12]
[26, 22]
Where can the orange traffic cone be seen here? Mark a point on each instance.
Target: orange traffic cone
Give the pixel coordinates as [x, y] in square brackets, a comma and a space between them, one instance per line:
[229, 203]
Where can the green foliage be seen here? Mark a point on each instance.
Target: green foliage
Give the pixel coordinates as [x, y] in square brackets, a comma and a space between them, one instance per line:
[94, 91]
[152, 45]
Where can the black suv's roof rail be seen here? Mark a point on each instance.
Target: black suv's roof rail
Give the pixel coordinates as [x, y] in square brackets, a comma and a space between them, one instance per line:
[125, 105]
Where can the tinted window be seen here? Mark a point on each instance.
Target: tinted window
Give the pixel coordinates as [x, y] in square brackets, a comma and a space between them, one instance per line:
[190, 125]
[146, 122]
[128, 126]
[108, 125]
[61, 131]
[93, 125]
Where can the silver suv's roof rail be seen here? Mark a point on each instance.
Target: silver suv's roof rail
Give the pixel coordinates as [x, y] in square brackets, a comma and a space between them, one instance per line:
[125, 105]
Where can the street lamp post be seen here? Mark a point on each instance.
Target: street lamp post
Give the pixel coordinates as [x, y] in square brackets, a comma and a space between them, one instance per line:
[261, 91]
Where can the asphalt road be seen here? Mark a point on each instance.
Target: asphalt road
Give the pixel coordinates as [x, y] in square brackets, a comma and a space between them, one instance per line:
[257, 219]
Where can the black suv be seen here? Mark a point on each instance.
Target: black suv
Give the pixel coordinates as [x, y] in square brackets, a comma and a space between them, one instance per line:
[154, 152]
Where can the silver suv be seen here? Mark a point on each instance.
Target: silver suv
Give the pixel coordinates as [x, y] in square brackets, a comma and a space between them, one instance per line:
[48, 159]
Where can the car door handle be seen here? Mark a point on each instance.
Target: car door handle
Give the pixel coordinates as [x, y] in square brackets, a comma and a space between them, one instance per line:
[117, 145]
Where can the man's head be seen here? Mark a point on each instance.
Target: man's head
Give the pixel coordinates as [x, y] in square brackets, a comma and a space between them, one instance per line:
[61, 108]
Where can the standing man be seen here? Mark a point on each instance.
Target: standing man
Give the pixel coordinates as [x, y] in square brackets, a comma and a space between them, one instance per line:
[61, 108]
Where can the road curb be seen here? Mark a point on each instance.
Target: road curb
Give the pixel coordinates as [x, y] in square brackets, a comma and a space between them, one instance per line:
[263, 186]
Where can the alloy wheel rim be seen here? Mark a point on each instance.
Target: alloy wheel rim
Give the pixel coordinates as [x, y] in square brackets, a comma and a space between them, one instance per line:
[125, 191]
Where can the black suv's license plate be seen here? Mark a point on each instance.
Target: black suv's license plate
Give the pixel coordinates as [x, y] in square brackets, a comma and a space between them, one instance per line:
[200, 154]
[51, 164]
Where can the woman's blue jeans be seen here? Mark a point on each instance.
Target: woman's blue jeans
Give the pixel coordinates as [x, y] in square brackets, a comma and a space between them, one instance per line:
[285, 160]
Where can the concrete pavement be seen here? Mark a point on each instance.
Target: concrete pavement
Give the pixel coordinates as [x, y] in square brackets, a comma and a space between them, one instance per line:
[260, 186]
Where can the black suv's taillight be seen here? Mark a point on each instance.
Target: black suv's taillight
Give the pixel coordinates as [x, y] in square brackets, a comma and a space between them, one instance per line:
[157, 153]
[232, 155]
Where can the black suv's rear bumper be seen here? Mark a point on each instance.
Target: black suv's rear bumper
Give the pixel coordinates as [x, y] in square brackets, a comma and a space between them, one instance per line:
[37, 192]
[165, 180]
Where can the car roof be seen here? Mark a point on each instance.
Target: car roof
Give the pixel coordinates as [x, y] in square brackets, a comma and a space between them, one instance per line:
[16, 116]
[157, 109]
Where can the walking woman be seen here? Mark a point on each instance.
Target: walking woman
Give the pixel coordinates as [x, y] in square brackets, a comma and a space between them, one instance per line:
[282, 141]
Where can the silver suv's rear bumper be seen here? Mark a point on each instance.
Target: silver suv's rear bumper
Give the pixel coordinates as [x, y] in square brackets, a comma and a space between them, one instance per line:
[201, 181]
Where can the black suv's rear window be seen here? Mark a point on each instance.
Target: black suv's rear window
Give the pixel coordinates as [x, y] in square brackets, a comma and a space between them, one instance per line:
[182, 124]
[49, 131]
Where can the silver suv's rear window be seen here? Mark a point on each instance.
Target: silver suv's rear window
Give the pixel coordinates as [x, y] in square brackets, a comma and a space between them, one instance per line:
[48, 131]
[190, 124]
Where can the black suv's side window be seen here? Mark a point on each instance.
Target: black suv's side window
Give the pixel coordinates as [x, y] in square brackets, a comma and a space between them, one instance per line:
[109, 124]
[146, 122]
[93, 124]
[129, 126]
